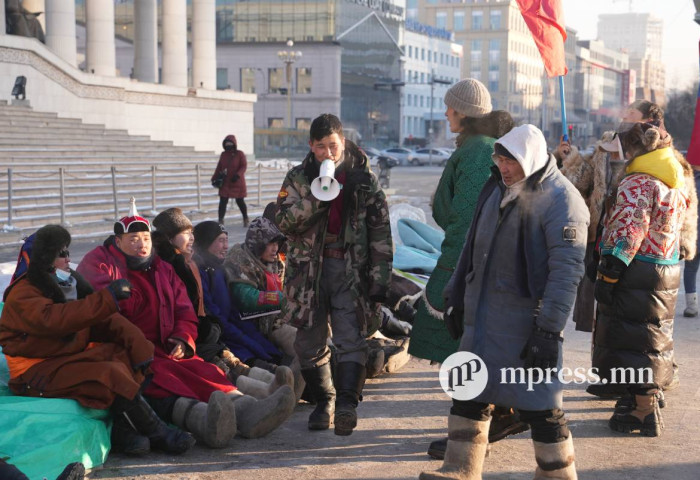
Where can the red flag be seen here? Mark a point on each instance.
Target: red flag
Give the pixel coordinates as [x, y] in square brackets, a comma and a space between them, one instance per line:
[545, 19]
[693, 155]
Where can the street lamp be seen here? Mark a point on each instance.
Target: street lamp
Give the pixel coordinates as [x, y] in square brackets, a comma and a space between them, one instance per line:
[433, 81]
[289, 57]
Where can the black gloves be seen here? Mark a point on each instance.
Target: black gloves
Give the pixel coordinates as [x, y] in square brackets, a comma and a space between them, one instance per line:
[609, 272]
[454, 322]
[120, 289]
[235, 177]
[542, 349]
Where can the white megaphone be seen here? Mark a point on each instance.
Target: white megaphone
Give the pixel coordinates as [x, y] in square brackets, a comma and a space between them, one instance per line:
[325, 187]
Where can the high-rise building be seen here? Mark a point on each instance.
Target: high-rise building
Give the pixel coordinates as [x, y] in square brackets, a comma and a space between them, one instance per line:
[500, 52]
[640, 36]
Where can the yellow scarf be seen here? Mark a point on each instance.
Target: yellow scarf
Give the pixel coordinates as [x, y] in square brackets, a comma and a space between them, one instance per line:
[661, 164]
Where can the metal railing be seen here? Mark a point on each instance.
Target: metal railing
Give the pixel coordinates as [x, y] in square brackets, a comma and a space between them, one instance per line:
[96, 191]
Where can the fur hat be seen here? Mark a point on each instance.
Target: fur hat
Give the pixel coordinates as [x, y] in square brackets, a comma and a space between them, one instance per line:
[469, 97]
[132, 222]
[171, 222]
[206, 232]
[49, 240]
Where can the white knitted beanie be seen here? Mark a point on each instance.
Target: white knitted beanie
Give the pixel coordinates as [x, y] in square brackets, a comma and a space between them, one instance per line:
[469, 97]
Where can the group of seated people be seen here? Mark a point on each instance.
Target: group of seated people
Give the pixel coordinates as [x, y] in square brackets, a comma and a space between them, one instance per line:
[163, 325]
[146, 327]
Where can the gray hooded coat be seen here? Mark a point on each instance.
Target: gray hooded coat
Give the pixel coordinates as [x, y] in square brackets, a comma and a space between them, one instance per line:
[521, 264]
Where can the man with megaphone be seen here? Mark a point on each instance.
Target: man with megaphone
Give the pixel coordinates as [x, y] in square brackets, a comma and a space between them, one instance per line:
[339, 261]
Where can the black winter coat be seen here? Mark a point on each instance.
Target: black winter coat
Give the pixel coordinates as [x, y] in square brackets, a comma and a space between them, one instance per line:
[637, 330]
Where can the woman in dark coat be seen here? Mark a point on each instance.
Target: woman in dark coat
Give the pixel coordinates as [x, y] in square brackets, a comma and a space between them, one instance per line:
[233, 164]
[639, 276]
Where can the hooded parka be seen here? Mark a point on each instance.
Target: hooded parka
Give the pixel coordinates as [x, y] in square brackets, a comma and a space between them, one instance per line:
[520, 267]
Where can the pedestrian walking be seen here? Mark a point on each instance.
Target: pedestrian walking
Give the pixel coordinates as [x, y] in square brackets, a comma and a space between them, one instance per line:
[229, 178]
[508, 301]
[338, 271]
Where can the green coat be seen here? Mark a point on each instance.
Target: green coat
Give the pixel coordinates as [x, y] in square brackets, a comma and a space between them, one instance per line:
[455, 199]
[365, 233]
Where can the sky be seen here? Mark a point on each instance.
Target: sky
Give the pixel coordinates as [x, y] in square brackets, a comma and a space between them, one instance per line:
[681, 33]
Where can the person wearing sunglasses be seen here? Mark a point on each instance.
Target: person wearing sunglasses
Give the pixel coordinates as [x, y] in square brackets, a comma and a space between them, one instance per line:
[62, 339]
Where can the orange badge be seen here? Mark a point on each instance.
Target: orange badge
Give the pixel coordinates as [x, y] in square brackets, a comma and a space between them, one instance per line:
[283, 193]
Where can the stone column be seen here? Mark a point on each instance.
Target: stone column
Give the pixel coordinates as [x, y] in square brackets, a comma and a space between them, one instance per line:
[36, 6]
[204, 44]
[2, 17]
[60, 29]
[146, 41]
[174, 21]
[100, 50]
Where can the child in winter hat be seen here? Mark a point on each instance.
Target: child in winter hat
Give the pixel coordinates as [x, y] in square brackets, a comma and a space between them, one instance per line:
[469, 97]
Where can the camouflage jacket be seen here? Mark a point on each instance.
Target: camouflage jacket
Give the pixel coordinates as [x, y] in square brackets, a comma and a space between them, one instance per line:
[365, 233]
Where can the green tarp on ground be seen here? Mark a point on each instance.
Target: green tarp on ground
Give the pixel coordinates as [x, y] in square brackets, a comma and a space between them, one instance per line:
[41, 436]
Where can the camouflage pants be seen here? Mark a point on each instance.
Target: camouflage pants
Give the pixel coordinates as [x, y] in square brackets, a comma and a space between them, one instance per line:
[335, 302]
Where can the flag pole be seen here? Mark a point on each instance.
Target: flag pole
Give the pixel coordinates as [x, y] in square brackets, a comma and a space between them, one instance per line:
[563, 108]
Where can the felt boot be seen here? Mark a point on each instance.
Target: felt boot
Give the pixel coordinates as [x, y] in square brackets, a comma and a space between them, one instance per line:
[257, 418]
[691, 305]
[283, 376]
[214, 422]
[555, 460]
[466, 449]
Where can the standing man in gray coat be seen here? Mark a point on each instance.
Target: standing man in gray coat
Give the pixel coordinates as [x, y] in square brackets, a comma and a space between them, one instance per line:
[509, 299]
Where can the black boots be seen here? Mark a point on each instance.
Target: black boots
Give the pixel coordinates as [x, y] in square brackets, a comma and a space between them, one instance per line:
[126, 440]
[142, 417]
[644, 416]
[319, 383]
[349, 380]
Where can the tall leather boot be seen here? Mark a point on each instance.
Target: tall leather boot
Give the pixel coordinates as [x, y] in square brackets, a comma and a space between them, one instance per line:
[555, 460]
[213, 422]
[319, 383]
[349, 380]
[125, 439]
[162, 437]
[466, 449]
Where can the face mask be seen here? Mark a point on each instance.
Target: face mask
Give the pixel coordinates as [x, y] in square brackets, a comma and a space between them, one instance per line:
[228, 147]
[62, 275]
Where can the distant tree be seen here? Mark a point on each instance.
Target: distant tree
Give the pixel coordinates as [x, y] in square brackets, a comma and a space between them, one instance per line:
[679, 116]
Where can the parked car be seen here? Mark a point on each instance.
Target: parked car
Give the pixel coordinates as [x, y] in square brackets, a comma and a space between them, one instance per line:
[378, 159]
[400, 153]
[423, 156]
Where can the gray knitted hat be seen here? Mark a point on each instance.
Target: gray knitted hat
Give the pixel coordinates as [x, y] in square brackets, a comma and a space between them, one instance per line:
[469, 97]
[171, 222]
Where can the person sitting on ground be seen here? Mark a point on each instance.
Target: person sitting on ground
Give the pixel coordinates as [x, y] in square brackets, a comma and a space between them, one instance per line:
[173, 241]
[254, 271]
[63, 340]
[185, 389]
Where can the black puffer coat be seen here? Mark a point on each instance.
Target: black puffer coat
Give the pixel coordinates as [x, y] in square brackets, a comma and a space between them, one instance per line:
[637, 330]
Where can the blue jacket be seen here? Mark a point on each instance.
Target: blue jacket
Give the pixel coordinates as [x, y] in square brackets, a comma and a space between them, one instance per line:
[242, 337]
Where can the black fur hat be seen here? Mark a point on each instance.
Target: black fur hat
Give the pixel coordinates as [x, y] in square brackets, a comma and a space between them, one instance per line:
[49, 241]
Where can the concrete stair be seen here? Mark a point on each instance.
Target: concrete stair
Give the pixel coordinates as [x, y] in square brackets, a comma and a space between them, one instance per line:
[60, 170]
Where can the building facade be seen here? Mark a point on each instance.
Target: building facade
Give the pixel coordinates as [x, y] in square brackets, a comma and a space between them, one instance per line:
[432, 63]
[640, 35]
